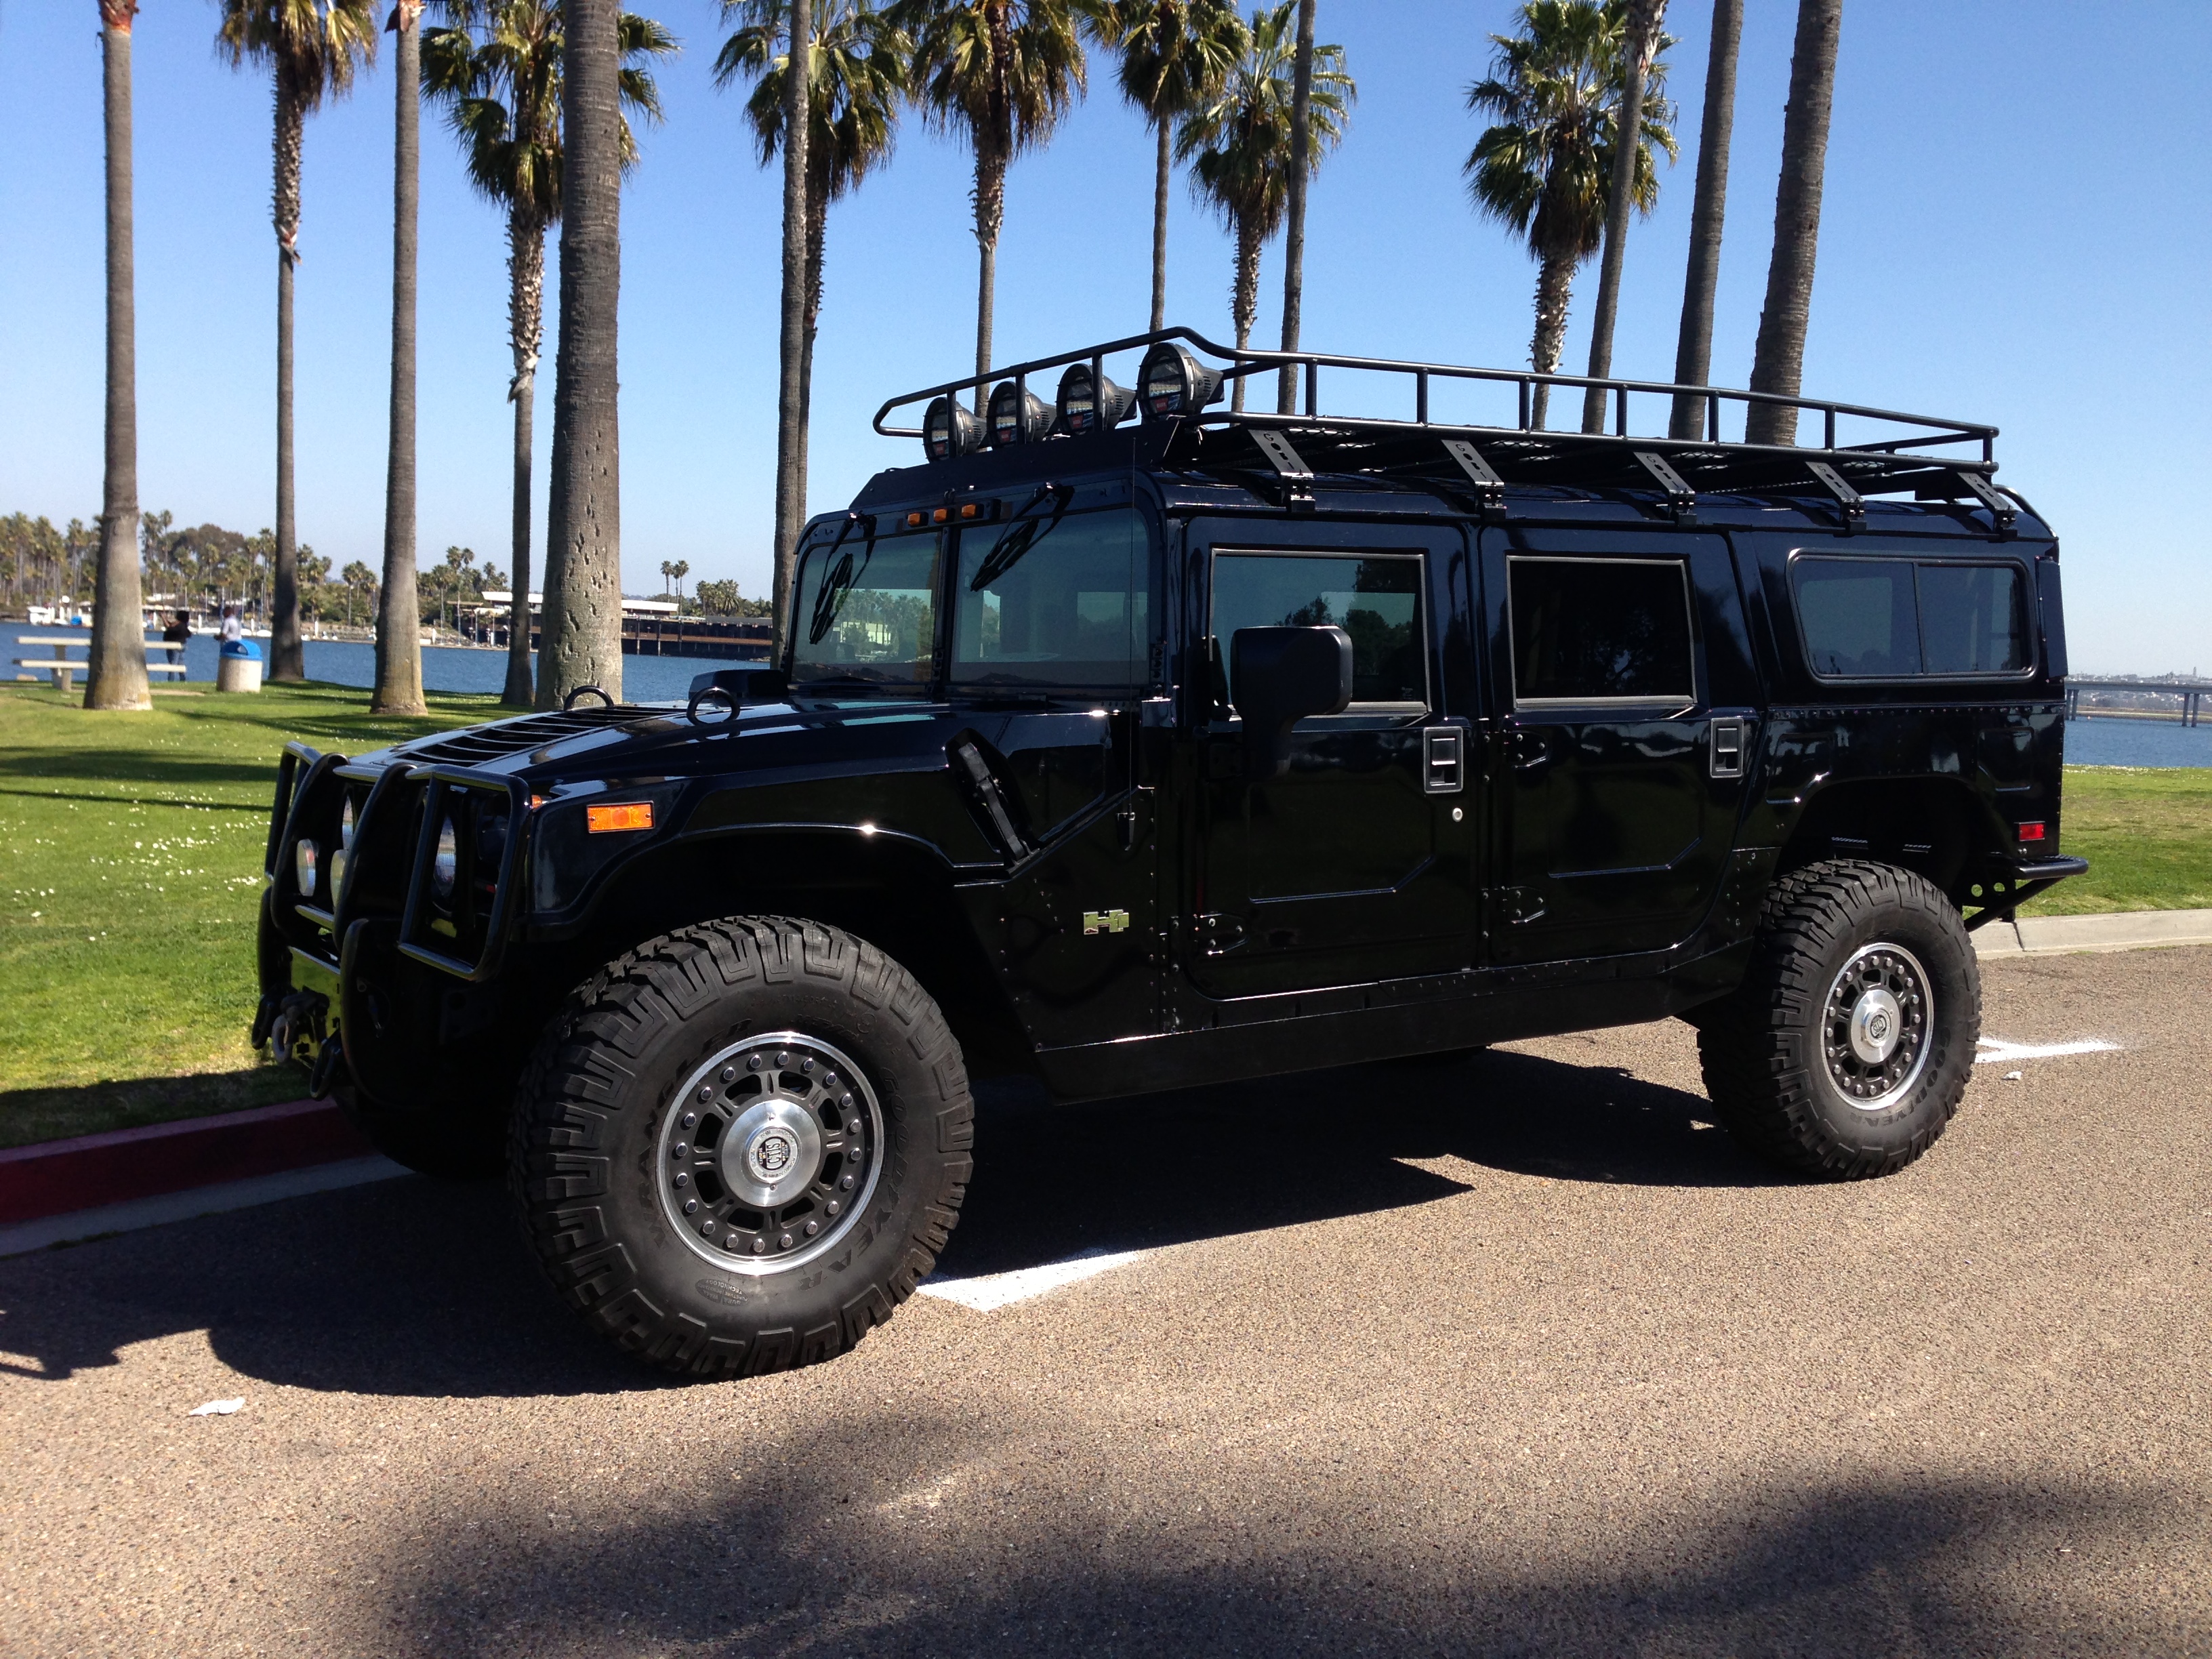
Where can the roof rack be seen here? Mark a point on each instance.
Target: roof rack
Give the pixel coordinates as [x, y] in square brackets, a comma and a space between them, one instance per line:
[1486, 455]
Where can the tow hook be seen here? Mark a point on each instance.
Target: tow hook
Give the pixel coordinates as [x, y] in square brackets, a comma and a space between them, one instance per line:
[264, 1021]
[299, 1019]
[327, 1060]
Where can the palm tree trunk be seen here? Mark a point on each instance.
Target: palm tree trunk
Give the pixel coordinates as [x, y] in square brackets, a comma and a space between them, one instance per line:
[399, 622]
[817, 226]
[1778, 363]
[990, 218]
[1244, 299]
[117, 679]
[790, 479]
[1294, 239]
[287, 658]
[582, 632]
[1641, 42]
[1694, 353]
[1555, 283]
[526, 311]
[1163, 176]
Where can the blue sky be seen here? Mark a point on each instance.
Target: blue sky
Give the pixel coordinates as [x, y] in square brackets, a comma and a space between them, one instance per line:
[2015, 232]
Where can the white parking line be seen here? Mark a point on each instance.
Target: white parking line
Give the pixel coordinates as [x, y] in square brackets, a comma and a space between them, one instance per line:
[988, 1292]
[1999, 1049]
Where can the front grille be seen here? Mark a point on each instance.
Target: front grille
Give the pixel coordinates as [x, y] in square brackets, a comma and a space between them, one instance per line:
[486, 742]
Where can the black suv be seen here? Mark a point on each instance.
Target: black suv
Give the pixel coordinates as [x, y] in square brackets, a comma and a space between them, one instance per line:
[1135, 755]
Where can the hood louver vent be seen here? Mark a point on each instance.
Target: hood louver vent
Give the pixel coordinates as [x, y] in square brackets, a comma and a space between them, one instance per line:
[490, 742]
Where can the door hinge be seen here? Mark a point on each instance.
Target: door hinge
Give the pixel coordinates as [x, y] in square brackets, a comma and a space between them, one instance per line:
[1217, 934]
[1521, 905]
[1728, 740]
[1443, 760]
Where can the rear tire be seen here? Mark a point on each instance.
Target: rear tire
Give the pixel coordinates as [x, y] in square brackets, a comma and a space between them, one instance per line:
[740, 1146]
[1845, 1051]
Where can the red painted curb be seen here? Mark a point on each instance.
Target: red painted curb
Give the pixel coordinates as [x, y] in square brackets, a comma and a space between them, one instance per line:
[57, 1176]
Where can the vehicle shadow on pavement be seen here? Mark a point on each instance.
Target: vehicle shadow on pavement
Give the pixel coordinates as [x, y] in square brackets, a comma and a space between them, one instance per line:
[1169, 1169]
[416, 1287]
[836, 1560]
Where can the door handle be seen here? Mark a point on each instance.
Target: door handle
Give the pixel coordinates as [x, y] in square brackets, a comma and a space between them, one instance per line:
[1443, 760]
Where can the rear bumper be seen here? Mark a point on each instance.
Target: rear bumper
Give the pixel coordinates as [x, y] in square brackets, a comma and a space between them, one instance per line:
[2019, 881]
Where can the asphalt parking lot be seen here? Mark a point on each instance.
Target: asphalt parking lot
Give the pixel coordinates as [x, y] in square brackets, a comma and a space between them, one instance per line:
[1519, 1356]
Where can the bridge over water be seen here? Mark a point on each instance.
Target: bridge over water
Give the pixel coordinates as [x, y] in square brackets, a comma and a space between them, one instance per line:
[2182, 700]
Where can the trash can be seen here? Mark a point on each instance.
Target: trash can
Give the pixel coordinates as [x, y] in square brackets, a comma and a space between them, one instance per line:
[238, 667]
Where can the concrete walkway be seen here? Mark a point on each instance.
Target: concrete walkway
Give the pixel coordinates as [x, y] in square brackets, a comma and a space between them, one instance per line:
[2127, 930]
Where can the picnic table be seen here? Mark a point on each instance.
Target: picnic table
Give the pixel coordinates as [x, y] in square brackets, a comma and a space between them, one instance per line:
[65, 668]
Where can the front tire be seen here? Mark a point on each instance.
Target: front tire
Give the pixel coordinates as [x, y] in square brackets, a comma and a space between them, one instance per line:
[1844, 1051]
[738, 1147]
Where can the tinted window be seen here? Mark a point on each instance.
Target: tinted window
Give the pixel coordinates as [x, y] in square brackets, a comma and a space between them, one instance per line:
[1054, 598]
[1377, 600]
[1599, 630]
[865, 608]
[1859, 616]
[1890, 618]
[1972, 619]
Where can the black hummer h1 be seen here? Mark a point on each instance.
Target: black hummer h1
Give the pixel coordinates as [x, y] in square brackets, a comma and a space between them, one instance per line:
[1217, 745]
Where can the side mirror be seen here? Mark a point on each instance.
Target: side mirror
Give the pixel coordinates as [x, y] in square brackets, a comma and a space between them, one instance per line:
[1280, 676]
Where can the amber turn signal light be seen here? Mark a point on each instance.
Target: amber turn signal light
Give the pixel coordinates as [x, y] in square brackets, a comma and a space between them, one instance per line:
[622, 815]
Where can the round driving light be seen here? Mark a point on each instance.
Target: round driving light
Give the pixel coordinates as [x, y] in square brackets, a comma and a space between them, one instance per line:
[447, 864]
[303, 866]
[345, 824]
[1017, 416]
[337, 872]
[1174, 383]
[1085, 408]
[949, 430]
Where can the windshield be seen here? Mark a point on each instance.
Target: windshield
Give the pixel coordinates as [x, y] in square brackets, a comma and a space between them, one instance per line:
[1052, 598]
[866, 607]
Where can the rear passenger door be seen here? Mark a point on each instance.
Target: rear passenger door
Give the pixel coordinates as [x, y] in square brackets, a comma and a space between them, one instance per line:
[1620, 771]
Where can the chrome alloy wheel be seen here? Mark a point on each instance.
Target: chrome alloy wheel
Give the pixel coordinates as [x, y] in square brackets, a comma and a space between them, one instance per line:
[1874, 1033]
[769, 1152]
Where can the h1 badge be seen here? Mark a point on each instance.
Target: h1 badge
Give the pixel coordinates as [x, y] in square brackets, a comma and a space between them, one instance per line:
[1105, 922]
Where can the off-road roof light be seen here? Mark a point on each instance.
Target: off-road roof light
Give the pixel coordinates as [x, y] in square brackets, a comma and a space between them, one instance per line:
[949, 430]
[1017, 416]
[1174, 383]
[1084, 408]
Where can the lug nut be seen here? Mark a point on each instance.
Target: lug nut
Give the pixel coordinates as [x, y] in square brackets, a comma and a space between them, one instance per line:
[690, 1206]
[753, 1062]
[812, 1228]
[729, 1074]
[681, 1151]
[846, 1101]
[847, 1183]
[706, 1091]
[832, 1208]
[784, 1241]
[682, 1179]
[783, 1059]
[760, 1246]
[690, 1118]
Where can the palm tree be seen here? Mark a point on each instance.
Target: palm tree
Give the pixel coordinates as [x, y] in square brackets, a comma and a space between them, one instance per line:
[1694, 353]
[399, 683]
[1642, 45]
[679, 570]
[1777, 363]
[502, 90]
[1294, 234]
[1544, 167]
[313, 48]
[118, 675]
[1239, 146]
[582, 628]
[1177, 55]
[857, 72]
[999, 73]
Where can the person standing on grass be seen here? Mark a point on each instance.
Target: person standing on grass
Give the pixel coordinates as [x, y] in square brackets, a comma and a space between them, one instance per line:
[177, 635]
[234, 628]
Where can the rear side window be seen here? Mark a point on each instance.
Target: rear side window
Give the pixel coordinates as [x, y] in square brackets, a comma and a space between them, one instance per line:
[1376, 598]
[1897, 618]
[1600, 630]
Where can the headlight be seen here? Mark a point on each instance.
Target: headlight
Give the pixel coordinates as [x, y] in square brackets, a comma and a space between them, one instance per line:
[303, 866]
[447, 864]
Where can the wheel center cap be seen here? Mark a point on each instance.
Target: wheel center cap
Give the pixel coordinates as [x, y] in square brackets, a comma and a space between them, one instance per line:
[1877, 1024]
[771, 1153]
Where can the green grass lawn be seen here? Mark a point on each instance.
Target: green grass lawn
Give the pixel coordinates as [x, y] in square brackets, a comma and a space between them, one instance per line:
[127, 906]
[2146, 832]
[135, 845]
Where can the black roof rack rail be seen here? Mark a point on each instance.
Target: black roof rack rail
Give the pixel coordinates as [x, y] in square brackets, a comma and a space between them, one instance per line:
[1523, 452]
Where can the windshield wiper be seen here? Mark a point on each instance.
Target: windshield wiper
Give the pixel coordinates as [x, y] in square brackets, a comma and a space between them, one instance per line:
[1022, 534]
[839, 582]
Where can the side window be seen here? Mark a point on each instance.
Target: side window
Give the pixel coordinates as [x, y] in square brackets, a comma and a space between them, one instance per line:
[1600, 631]
[1895, 618]
[1375, 597]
